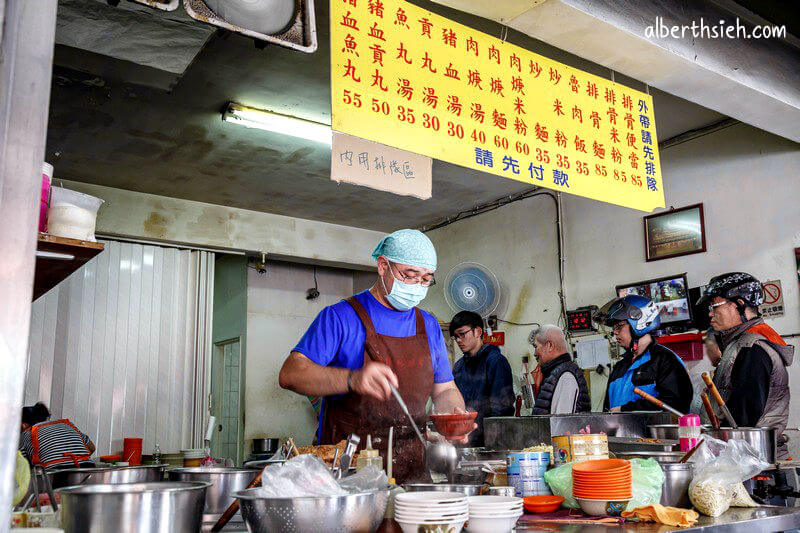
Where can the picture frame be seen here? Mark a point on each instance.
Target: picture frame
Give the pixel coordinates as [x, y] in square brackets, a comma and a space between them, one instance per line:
[675, 233]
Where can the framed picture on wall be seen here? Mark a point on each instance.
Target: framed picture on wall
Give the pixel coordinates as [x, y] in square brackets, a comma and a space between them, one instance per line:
[675, 233]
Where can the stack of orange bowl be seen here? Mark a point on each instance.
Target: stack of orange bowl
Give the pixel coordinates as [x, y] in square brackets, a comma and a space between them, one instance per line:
[603, 479]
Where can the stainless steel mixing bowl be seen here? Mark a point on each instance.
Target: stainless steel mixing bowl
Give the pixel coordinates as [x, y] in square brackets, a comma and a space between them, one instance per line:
[112, 475]
[224, 482]
[159, 507]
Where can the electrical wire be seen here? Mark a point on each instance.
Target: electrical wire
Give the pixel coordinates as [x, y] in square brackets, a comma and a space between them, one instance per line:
[519, 323]
[500, 202]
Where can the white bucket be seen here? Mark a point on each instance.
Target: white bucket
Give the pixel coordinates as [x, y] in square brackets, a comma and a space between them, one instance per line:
[72, 214]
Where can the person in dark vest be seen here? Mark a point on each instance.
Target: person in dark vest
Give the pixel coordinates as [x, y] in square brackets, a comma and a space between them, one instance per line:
[483, 375]
[563, 389]
[751, 375]
[357, 349]
[646, 364]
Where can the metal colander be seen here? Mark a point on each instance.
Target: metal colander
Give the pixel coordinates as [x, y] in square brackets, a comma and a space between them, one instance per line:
[354, 513]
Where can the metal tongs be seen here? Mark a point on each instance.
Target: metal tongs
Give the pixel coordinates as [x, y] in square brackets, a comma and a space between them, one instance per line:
[347, 457]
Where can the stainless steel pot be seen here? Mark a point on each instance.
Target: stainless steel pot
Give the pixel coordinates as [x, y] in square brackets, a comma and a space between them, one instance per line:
[469, 489]
[675, 491]
[113, 475]
[666, 431]
[354, 513]
[224, 482]
[266, 446]
[661, 457]
[763, 440]
[159, 507]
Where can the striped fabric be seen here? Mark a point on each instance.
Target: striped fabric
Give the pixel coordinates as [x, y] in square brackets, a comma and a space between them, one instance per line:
[55, 440]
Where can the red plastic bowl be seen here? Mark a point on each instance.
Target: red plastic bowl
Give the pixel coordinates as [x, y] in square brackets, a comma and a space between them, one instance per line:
[542, 504]
[454, 425]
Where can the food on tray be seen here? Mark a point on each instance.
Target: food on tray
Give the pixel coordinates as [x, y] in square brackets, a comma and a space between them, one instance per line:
[650, 441]
[326, 452]
[545, 448]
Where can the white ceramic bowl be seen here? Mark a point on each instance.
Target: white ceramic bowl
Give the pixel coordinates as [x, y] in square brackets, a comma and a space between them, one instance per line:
[493, 501]
[602, 507]
[430, 497]
[429, 519]
[451, 527]
[491, 525]
[417, 505]
[485, 514]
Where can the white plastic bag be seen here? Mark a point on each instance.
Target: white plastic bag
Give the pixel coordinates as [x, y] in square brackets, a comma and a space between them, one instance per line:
[304, 475]
[719, 470]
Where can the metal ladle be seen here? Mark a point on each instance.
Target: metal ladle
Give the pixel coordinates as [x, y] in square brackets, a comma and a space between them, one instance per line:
[440, 457]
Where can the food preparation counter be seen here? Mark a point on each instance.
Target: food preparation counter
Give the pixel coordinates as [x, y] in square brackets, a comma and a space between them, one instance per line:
[518, 432]
[759, 519]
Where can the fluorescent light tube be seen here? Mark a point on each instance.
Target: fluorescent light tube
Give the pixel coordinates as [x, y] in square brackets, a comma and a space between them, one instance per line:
[267, 120]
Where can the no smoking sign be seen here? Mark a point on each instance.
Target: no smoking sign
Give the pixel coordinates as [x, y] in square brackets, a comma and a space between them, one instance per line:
[773, 299]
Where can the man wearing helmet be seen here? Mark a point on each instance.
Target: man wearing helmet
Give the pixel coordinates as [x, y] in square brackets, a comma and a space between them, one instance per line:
[645, 364]
[751, 375]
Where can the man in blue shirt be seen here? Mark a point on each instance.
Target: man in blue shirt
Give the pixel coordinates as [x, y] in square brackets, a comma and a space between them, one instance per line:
[357, 349]
[483, 375]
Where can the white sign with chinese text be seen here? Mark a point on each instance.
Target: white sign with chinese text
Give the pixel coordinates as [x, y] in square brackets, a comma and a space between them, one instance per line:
[773, 299]
[362, 162]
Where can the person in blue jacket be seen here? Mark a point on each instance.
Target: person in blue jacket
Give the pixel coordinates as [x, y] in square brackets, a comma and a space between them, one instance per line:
[645, 364]
[483, 375]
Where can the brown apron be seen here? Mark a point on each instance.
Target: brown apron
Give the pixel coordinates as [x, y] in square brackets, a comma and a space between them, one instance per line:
[410, 359]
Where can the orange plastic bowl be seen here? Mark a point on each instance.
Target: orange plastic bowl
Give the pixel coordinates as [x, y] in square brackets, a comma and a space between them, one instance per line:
[605, 466]
[601, 485]
[542, 504]
[454, 425]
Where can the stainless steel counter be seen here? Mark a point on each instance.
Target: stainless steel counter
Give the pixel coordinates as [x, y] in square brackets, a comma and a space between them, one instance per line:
[515, 433]
[757, 520]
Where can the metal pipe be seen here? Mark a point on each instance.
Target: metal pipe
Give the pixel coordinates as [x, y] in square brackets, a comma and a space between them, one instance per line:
[28, 35]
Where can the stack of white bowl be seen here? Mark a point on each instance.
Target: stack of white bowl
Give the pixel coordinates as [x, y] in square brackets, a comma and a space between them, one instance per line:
[493, 514]
[433, 511]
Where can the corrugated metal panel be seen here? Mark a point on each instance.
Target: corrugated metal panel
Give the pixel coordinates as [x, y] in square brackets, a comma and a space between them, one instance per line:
[120, 347]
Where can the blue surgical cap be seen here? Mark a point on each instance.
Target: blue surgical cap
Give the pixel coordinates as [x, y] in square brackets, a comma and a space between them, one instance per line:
[409, 247]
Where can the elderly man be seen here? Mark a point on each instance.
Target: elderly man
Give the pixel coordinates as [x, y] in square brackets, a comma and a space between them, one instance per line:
[563, 388]
[751, 375]
[483, 375]
[357, 349]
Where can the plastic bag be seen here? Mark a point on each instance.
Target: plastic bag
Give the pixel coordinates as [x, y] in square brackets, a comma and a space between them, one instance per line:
[367, 479]
[304, 475]
[741, 498]
[719, 470]
[647, 477]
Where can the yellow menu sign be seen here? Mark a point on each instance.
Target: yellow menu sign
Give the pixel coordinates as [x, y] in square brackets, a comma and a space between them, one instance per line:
[405, 77]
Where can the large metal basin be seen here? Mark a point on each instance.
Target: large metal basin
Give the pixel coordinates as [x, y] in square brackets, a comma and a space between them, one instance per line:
[470, 489]
[763, 440]
[661, 457]
[354, 513]
[224, 482]
[159, 507]
[112, 475]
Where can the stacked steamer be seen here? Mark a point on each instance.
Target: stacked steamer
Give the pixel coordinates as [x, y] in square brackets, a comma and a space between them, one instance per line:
[493, 514]
[602, 487]
[429, 510]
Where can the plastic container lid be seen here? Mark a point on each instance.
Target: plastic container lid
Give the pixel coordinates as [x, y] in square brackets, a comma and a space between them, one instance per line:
[47, 169]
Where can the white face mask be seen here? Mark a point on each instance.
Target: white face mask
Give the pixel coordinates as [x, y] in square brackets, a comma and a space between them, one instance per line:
[404, 296]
